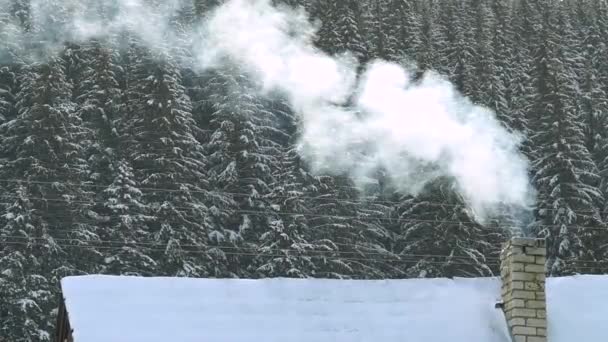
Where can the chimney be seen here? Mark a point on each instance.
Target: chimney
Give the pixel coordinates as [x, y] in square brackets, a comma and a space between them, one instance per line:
[522, 271]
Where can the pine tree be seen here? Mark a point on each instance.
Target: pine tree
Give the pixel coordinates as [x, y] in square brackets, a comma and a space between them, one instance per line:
[521, 89]
[566, 176]
[341, 28]
[124, 224]
[593, 103]
[242, 154]
[282, 250]
[26, 292]
[159, 134]
[119, 212]
[10, 59]
[7, 97]
[45, 210]
[458, 50]
[439, 238]
[483, 89]
[504, 71]
[393, 30]
[433, 39]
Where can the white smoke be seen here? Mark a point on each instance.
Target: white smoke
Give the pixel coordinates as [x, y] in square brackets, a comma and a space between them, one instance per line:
[414, 131]
[395, 124]
[52, 23]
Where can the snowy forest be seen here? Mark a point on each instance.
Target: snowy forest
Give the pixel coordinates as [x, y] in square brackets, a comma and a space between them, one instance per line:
[115, 160]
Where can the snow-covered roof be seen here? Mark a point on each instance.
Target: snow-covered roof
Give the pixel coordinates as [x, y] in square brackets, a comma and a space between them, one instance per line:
[577, 308]
[132, 309]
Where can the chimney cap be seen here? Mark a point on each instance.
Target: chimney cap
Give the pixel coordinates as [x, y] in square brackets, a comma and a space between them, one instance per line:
[527, 242]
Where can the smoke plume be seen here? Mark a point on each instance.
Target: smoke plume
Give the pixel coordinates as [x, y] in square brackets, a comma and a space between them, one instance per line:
[395, 124]
[415, 131]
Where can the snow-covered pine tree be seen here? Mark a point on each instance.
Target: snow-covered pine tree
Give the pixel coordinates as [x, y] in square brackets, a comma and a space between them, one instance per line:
[393, 30]
[119, 212]
[168, 159]
[600, 9]
[10, 60]
[566, 176]
[331, 222]
[483, 57]
[341, 29]
[381, 44]
[503, 76]
[242, 154]
[433, 39]
[124, 224]
[7, 97]
[26, 290]
[593, 100]
[458, 50]
[526, 24]
[336, 220]
[352, 231]
[503, 69]
[405, 24]
[282, 248]
[439, 238]
[44, 158]
[101, 108]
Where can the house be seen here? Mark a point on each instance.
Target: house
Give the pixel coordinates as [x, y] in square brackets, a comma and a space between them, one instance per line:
[509, 308]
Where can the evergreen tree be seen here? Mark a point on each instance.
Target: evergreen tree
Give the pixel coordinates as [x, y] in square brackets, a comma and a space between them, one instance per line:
[593, 102]
[439, 238]
[124, 225]
[7, 97]
[26, 291]
[394, 31]
[504, 73]
[458, 50]
[160, 137]
[566, 176]
[242, 156]
[522, 88]
[282, 250]
[341, 28]
[44, 210]
[433, 39]
[483, 89]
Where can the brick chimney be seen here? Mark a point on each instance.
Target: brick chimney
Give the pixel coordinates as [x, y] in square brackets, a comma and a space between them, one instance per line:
[522, 271]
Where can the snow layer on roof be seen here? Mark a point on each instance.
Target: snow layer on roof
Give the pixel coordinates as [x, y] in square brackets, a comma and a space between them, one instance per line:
[577, 309]
[132, 309]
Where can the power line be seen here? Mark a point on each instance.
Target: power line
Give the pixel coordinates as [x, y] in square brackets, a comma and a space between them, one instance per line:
[369, 219]
[320, 197]
[238, 253]
[200, 249]
[442, 263]
[229, 248]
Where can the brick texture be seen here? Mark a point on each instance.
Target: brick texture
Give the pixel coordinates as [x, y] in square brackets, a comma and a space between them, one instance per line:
[522, 272]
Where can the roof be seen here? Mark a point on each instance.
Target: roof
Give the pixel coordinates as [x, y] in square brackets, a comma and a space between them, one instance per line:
[577, 308]
[121, 309]
[132, 309]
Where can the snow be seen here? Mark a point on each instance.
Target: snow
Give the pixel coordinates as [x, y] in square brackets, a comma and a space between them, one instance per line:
[577, 308]
[133, 309]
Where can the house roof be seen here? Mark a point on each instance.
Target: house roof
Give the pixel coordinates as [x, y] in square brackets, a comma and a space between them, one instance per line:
[132, 309]
[577, 308]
